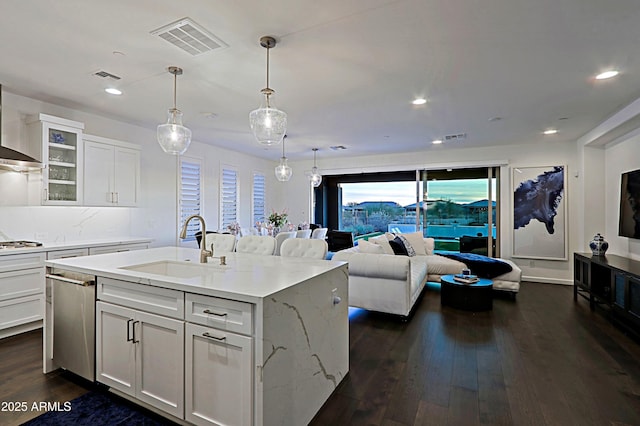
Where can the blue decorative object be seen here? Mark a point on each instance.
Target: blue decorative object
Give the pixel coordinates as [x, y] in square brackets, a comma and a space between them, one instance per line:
[57, 137]
[598, 245]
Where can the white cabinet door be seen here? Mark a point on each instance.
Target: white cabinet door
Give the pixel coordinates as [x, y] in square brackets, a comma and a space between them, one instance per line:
[115, 351]
[126, 176]
[98, 177]
[160, 362]
[142, 355]
[112, 172]
[61, 142]
[219, 377]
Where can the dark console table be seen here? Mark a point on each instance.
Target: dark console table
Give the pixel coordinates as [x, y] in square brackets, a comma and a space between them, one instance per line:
[612, 282]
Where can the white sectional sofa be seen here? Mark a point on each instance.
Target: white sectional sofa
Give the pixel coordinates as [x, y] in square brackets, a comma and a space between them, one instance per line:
[385, 282]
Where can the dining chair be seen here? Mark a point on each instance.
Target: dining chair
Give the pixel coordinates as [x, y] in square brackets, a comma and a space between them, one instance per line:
[319, 233]
[303, 233]
[307, 248]
[221, 242]
[257, 244]
[280, 237]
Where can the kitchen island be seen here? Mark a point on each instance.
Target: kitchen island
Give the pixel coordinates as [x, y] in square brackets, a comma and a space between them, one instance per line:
[262, 340]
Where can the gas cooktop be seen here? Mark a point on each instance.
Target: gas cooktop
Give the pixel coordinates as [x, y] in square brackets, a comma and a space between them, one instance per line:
[18, 244]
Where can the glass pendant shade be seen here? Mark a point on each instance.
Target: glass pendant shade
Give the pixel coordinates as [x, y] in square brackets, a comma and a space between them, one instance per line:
[173, 137]
[315, 177]
[268, 124]
[283, 171]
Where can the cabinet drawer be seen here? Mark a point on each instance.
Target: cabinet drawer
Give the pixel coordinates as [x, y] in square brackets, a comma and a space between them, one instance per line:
[63, 254]
[219, 313]
[117, 248]
[156, 300]
[21, 311]
[17, 284]
[16, 262]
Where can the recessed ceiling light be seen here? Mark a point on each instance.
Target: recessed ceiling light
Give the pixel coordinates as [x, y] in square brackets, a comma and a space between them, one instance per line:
[606, 74]
[436, 141]
[113, 91]
[550, 132]
[419, 101]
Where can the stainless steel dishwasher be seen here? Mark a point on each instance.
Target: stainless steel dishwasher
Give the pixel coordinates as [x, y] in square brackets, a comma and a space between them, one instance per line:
[74, 301]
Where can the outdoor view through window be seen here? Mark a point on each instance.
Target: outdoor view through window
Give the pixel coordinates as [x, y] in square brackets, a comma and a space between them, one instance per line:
[453, 210]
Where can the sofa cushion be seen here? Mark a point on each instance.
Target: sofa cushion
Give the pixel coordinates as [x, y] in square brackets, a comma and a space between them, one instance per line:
[367, 247]
[398, 247]
[416, 239]
[383, 242]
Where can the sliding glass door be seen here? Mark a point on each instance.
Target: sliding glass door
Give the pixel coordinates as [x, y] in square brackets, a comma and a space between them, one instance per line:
[457, 207]
[460, 209]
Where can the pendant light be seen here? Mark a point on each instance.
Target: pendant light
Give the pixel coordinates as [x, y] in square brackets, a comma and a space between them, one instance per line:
[283, 171]
[268, 123]
[173, 137]
[315, 177]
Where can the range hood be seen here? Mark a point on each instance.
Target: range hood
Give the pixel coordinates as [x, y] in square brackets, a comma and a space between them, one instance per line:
[11, 159]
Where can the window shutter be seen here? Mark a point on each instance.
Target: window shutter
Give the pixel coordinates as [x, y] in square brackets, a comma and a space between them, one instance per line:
[229, 195]
[190, 192]
[258, 197]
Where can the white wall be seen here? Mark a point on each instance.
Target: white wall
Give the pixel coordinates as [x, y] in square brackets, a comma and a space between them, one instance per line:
[548, 154]
[156, 216]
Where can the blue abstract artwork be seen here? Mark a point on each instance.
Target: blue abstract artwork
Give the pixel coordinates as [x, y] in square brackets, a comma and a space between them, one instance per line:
[538, 212]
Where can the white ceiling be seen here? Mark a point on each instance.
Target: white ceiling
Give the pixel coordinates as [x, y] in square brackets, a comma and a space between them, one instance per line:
[344, 71]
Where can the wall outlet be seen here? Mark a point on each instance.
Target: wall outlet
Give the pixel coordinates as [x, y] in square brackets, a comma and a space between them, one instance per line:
[41, 236]
[532, 263]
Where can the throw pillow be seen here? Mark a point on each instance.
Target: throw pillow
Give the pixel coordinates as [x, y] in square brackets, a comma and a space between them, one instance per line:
[383, 242]
[417, 242]
[429, 245]
[367, 247]
[398, 247]
[407, 245]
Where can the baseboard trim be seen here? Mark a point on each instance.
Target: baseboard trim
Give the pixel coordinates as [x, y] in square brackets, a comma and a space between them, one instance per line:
[547, 280]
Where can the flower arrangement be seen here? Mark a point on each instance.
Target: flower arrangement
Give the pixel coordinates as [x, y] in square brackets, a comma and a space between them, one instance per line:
[234, 228]
[278, 219]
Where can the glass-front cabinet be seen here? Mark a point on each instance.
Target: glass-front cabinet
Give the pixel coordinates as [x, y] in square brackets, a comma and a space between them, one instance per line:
[61, 142]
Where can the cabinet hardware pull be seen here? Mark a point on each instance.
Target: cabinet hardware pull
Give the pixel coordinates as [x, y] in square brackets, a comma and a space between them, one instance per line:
[211, 336]
[206, 311]
[134, 332]
[129, 339]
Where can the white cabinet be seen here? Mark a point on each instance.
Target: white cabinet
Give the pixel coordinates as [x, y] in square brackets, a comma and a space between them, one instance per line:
[142, 355]
[21, 293]
[60, 142]
[112, 172]
[218, 361]
[218, 377]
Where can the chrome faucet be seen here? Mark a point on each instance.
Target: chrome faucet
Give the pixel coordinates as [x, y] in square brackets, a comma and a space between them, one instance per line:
[204, 253]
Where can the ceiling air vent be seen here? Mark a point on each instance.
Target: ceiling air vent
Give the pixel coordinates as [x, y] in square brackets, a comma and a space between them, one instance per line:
[455, 137]
[105, 74]
[190, 37]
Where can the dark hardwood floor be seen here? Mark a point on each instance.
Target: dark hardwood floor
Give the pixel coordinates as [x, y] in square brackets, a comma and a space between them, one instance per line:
[539, 360]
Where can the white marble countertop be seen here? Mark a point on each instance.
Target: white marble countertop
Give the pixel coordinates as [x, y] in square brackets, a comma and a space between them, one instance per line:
[246, 277]
[94, 242]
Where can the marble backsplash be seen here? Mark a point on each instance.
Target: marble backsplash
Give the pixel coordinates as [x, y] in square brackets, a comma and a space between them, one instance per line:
[59, 224]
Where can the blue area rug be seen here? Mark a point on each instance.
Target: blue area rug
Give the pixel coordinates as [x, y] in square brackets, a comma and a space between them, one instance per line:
[100, 408]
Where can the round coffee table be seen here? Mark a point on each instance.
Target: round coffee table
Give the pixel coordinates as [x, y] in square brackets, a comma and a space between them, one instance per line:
[470, 297]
